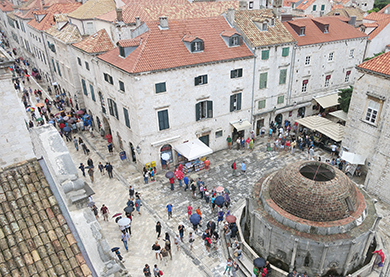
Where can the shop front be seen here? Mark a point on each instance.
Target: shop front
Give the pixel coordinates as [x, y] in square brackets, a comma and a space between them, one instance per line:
[192, 155]
[239, 128]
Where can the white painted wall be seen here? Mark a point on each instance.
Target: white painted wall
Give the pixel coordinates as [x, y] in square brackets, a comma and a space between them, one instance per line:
[379, 42]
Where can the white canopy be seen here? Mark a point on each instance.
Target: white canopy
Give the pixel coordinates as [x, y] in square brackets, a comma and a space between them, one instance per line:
[328, 101]
[340, 114]
[243, 125]
[325, 126]
[353, 158]
[193, 149]
[313, 122]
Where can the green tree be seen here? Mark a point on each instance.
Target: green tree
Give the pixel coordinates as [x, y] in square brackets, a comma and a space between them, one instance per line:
[345, 98]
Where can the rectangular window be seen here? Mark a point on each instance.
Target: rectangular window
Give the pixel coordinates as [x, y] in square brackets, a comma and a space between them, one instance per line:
[327, 80]
[197, 46]
[314, 8]
[79, 61]
[261, 104]
[126, 115]
[108, 78]
[160, 87]
[235, 102]
[235, 41]
[121, 86]
[263, 80]
[304, 85]
[351, 53]
[58, 69]
[307, 60]
[250, 5]
[280, 99]
[302, 31]
[285, 51]
[163, 120]
[84, 87]
[92, 92]
[203, 110]
[322, 7]
[330, 56]
[372, 111]
[236, 73]
[347, 74]
[87, 65]
[52, 61]
[265, 54]
[282, 76]
[122, 52]
[218, 134]
[201, 80]
[112, 108]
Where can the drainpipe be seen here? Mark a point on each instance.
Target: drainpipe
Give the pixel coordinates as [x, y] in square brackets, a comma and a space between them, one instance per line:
[289, 89]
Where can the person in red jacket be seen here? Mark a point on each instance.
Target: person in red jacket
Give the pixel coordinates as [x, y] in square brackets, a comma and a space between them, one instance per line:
[234, 167]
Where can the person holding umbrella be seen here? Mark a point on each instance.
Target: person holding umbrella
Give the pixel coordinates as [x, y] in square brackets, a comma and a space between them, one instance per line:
[195, 219]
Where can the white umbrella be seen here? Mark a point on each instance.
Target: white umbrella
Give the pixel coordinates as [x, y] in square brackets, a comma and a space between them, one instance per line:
[165, 156]
[124, 221]
[353, 158]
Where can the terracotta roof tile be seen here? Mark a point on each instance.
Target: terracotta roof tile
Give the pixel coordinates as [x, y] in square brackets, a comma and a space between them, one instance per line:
[228, 33]
[377, 16]
[93, 8]
[48, 20]
[68, 34]
[6, 6]
[97, 43]
[190, 38]
[27, 249]
[304, 5]
[370, 25]
[277, 34]
[347, 12]
[175, 11]
[379, 64]
[381, 24]
[164, 49]
[129, 42]
[338, 30]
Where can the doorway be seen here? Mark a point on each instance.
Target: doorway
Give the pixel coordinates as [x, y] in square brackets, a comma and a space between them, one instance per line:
[132, 152]
[279, 119]
[205, 139]
[259, 124]
[237, 134]
[106, 126]
[166, 155]
[301, 112]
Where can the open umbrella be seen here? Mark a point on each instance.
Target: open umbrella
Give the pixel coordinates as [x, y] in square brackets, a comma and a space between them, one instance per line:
[165, 156]
[231, 218]
[30, 109]
[227, 191]
[128, 209]
[117, 214]
[67, 129]
[66, 118]
[219, 189]
[124, 221]
[80, 112]
[195, 219]
[259, 262]
[39, 119]
[179, 174]
[39, 105]
[115, 249]
[219, 200]
[70, 121]
[169, 174]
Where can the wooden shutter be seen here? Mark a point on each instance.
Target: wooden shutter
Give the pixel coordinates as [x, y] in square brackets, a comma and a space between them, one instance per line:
[238, 95]
[205, 79]
[196, 81]
[232, 74]
[282, 76]
[239, 73]
[201, 46]
[192, 46]
[115, 109]
[209, 109]
[263, 80]
[126, 115]
[84, 87]
[163, 120]
[231, 41]
[92, 93]
[232, 98]
[197, 111]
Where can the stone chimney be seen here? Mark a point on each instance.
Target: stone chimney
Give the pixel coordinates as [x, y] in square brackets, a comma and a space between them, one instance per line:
[230, 15]
[163, 22]
[242, 5]
[137, 21]
[119, 15]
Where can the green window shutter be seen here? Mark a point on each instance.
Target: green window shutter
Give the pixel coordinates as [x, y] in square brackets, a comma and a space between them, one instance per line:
[230, 41]
[126, 115]
[115, 110]
[239, 72]
[84, 87]
[263, 80]
[54, 66]
[282, 76]
[280, 99]
[201, 46]
[261, 104]
[122, 86]
[122, 51]
[192, 46]
[197, 111]
[322, 7]
[92, 92]
[111, 80]
[232, 98]
[163, 120]
[196, 81]
[160, 87]
[265, 54]
[205, 79]
[209, 109]
[110, 108]
[232, 74]
[285, 51]
[238, 95]
[58, 68]
[314, 7]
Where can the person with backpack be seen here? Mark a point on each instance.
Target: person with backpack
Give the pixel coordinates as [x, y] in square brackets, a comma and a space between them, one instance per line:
[234, 167]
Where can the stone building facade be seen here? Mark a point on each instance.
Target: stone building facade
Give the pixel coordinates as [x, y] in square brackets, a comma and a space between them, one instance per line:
[368, 129]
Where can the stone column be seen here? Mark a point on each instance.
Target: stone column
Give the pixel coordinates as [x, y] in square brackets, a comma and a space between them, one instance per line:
[349, 257]
[252, 227]
[324, 252]
[267, 245]
[292, 262]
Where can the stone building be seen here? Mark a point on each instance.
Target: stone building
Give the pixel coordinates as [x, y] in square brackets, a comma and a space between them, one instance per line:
[367, 128]
[310, 217]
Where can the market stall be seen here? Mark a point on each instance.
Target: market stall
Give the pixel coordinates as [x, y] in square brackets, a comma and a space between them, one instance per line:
[190, 154]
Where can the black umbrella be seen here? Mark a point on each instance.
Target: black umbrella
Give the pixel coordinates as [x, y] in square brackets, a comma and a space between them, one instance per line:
[194, 219]
[114, 249]
[219, 201]
[128, 209]
[169, 174]
[259, 262]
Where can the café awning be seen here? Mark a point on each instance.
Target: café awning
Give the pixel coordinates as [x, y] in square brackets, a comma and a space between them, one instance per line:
[353, 158]
[243, 125]
[325, 126]
[340, 114]
[193, 149]
[328, 101]
[313, 122]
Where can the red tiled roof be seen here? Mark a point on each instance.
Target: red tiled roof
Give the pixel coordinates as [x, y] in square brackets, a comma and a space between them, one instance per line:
[379, 64]
[337, 6]
[176, 11]
[129, 42]
[377, 16]
[164, 49]
[371, 24]
[304, 5]
[48, 20]
[6, 6]
[381, 25]
[338, 30]
[228, 33]
[97, 43]
[189, 38]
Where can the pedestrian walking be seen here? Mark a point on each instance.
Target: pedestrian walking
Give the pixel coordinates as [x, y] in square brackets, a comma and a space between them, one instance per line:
[229, 264]
[82, 168]
[157, 249]
[158, 229]
[186, 181]
[191, 239]
[109, 169]
[235, 269]
[138, 205]
[229, 141]
[181, 229]
[146, 270]
[101, 168]
[90, 173]
[234, 167]
[90, 163]
[156, 271]
[169, 210]
[146, 175]
[189, 210]
[95, 212]
[124, 238]
[167, 247]
[172, 182]
[104, 211]
[131, 191]
[76, 143]
[243, 167]
[193, 188]
[238, 143]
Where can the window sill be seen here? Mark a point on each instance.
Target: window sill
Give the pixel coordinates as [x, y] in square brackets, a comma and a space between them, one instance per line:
[369, 123]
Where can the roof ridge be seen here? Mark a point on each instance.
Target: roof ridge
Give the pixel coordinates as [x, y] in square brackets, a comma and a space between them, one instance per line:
[143, 44]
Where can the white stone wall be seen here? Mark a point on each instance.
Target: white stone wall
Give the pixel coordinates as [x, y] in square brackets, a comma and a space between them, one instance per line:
[379, 42]
[318, 12]
[371, 141]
